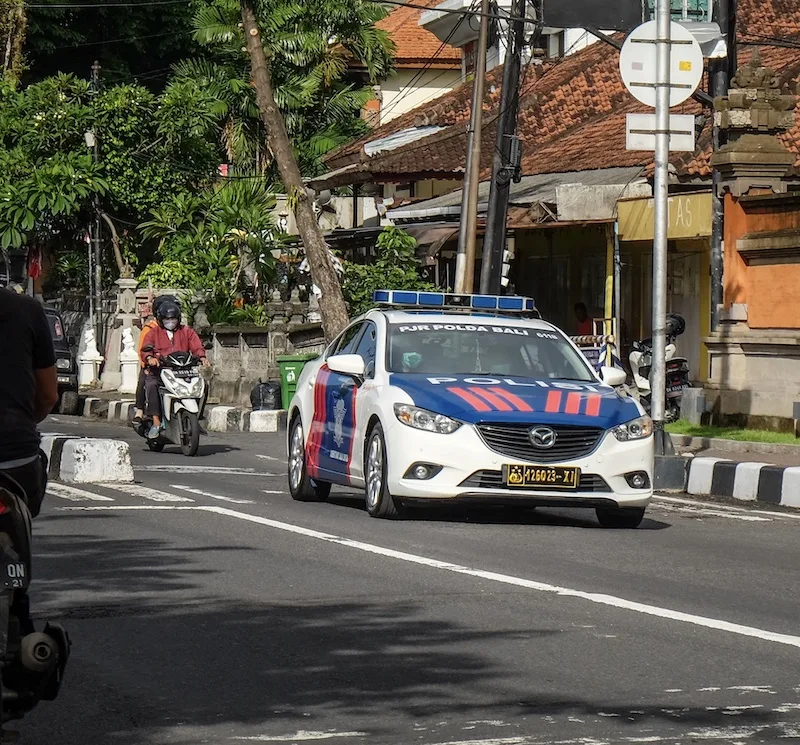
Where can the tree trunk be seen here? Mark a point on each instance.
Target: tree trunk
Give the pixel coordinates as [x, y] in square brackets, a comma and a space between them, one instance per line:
[332, 305]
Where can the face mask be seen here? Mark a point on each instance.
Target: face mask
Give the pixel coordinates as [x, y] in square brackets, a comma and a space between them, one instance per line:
[412, 360]
[170, 324]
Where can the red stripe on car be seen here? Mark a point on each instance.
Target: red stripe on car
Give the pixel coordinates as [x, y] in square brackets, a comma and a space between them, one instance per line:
[553, 405]
[512, 398]
[475, 402]
[493, 400]
[573, 403]
[593, 405]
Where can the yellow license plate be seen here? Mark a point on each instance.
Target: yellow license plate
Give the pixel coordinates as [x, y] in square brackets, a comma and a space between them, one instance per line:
[523, 476]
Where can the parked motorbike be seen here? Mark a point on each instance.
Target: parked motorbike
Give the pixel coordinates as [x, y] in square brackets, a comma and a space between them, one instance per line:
[182, 394]
[677, 369]
[32, 663]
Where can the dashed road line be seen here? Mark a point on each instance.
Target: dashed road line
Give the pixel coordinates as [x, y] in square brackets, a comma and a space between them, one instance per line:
[206, 469]
[211, 495]
[74, 494]
[145, 492]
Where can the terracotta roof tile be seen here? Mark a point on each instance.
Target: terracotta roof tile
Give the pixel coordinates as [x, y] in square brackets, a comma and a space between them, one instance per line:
[414, 44]
[572, 113]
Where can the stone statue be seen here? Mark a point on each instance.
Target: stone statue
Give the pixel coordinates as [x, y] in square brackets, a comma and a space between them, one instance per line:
[127, 342]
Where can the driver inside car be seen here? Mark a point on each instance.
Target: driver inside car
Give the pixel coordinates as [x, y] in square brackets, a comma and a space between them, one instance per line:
[168, 337]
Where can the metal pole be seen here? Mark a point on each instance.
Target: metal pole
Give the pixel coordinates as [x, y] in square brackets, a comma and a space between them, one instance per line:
[617, 291]
[660, 244]
[720, 81]
[494, 241]
[98, 259]
[465, 258]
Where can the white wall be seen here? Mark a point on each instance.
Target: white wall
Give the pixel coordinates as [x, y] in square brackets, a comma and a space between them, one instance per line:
[401, 95]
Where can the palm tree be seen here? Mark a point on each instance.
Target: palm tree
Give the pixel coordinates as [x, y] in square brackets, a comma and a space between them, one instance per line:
[314, 47]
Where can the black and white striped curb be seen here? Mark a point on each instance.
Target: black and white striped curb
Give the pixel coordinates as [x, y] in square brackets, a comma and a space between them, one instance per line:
[218, 418]
[87, 460]
[754, 482]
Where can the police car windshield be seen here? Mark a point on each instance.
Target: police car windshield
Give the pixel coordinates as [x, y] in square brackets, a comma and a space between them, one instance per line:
[483, 348]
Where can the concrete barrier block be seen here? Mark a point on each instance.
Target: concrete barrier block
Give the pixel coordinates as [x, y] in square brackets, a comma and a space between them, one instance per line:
[693, 405]
[669, 473]
[745, 486]
[701, 476]
[91, 406]
[218, 418]
[790, 489]
[268, 421]
[92, 461]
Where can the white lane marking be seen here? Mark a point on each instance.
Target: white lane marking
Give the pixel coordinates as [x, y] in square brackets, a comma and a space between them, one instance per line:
[599, 598]
[273, 491]
[725, 507]
[75, 495]
[145, 492]
[202, 493]
[702, 512]
[205, 469]
[269, 457]
[116, 507]
[301, 736]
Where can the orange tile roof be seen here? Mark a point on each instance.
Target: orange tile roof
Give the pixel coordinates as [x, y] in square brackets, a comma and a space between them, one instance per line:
[572, 113]
[415, 45]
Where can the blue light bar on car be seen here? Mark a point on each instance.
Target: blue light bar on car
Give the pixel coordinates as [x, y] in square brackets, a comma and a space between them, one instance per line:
[444, 300]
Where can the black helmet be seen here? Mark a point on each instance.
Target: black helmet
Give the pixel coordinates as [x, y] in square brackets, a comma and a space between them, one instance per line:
[168, 309]
[161, 299]
[675, 325]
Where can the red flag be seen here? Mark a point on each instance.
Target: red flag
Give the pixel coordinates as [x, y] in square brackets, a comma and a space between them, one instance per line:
[35, 262]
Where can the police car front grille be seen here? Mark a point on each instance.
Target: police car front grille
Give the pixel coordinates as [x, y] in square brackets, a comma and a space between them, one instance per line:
[513, 441]
[590, 482]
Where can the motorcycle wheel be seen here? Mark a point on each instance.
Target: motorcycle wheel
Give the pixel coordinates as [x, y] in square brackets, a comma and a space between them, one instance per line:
[155, 445]
[190, 433]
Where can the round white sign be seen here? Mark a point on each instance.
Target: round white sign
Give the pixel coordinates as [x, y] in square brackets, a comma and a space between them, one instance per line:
[637, 64]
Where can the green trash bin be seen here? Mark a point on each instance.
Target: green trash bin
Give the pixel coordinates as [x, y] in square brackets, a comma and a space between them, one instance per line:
[291, 365]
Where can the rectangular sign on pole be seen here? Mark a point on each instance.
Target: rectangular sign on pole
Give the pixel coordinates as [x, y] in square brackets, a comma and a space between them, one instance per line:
[641, 132]
[617, 15]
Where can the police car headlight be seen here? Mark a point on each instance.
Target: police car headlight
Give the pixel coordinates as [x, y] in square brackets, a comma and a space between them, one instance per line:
[63, 363]
[637, 429]
[424, 419]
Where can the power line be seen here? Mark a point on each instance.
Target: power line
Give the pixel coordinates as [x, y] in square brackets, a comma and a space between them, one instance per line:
[114, 41]
[107, 5]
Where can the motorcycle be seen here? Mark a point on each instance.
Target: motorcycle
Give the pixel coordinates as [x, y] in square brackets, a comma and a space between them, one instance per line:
[677, 369]
[183, 394]
[32, 663]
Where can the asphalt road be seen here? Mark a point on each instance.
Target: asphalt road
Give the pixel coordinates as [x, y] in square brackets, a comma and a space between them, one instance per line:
[206, 606]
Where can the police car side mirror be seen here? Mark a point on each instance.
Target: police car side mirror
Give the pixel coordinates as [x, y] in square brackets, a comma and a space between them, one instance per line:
[347, 364]
[613, 376]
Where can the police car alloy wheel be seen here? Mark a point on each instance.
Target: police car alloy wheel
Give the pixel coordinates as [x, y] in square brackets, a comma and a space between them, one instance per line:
[301, 486]
[379, 501]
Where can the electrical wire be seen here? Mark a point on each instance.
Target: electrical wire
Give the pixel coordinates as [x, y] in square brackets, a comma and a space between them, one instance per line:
[114, 41]
[146, 3]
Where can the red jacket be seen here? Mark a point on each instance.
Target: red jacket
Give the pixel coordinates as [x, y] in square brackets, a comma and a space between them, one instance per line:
[184, 339]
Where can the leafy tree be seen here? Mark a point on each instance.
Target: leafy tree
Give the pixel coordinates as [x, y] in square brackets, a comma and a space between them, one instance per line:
[396, 268]
[219, 242]
[314, 47]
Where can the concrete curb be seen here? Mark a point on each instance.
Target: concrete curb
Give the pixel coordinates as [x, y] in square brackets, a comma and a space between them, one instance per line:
[218, 418]
[734, 446]
[752, 482]
[87, 460]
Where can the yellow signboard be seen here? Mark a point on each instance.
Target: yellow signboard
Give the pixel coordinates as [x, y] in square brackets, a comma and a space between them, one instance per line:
[690, 216]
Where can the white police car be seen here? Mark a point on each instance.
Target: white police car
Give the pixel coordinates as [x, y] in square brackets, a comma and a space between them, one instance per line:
[437, 397]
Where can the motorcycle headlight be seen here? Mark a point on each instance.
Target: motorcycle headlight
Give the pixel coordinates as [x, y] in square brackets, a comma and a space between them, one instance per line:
[636, 429]
[63, 363]
[417, 418]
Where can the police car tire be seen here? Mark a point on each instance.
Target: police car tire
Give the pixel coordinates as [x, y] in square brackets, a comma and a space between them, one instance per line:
[620, 517]
[308, 490]
[384, 506]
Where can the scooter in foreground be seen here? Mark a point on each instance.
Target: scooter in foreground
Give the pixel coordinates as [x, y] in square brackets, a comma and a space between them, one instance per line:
[32, 663]
[183, 393]
[677, 369]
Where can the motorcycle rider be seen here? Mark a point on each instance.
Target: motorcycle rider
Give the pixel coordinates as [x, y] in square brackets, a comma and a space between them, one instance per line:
[145, 371]
[28, 393]
[169, 336]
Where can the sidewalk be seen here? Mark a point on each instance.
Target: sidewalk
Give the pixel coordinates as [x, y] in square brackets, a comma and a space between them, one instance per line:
[739, 450]
[119, 407]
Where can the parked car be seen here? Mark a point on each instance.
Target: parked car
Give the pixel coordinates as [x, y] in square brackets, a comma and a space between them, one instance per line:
[66, 365]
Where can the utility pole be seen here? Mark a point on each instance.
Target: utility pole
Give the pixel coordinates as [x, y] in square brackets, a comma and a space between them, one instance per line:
[97, 251]
[467, 229]
[661, 227]
[494, 241]
[720, 76]
[332, 305]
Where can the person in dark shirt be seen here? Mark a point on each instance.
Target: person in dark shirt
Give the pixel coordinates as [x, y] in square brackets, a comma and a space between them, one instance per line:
[28, 392]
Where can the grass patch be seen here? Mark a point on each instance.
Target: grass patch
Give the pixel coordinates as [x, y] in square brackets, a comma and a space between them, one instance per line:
[732, 433]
